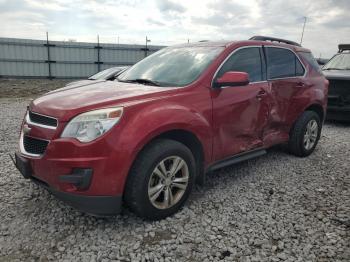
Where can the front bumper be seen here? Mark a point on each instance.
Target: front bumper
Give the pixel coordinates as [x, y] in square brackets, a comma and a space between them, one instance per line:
[338, 113]
[92, 204]
[108, 161]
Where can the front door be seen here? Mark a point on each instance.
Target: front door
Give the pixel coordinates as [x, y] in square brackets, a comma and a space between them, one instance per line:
[241, 113]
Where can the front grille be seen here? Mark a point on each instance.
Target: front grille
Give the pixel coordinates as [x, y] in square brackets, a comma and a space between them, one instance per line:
[42, 120]
[339, 93]
[34, 145]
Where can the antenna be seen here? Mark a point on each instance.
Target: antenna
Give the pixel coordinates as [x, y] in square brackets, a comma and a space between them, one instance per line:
[302, 34]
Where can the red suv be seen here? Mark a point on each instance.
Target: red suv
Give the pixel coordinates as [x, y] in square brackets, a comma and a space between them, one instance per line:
[147, 137]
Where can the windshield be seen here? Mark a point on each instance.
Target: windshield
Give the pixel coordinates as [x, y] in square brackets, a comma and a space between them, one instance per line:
[339, 62]
[103, 74]
[172, 66]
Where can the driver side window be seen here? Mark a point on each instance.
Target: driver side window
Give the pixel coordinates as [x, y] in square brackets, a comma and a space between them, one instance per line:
[245, 60]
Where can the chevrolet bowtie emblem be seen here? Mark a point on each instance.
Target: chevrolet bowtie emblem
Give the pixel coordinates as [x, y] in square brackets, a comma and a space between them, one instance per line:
[26, 129]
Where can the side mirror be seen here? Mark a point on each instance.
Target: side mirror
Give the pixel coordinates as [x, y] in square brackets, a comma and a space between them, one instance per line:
[232, 79]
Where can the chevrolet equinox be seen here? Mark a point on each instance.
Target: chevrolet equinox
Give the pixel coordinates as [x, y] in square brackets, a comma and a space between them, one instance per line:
[144, 139]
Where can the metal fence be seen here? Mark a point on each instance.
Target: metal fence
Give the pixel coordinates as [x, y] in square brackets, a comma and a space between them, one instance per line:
[57, 59]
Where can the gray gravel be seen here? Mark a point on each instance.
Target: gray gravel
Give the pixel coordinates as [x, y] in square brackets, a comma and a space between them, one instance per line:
[274, 208]
[14, 88]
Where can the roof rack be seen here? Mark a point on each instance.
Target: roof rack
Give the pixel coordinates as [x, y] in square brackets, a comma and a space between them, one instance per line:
[273, 39]
[343, 47]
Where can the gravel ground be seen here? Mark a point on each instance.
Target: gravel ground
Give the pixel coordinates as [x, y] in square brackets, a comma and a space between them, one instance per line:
[273, 208]
[14, 88]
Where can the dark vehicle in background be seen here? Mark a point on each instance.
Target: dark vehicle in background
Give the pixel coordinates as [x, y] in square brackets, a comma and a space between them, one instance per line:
[337, 71]
[107, 74]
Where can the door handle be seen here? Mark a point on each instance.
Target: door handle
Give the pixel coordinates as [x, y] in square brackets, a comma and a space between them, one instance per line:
[300, 84]
[262, 93]
[303, 85]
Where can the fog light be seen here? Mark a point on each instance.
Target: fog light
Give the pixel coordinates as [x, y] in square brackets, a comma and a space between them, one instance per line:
[80, 177]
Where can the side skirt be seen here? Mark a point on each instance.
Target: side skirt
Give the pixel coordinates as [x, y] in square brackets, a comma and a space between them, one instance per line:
[236, 159]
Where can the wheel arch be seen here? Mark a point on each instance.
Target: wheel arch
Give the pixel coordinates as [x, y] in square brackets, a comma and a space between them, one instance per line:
[190, 140]
[317, 108]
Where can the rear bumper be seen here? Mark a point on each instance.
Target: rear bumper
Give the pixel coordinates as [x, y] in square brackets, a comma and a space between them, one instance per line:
[96, 205]
[338, 113]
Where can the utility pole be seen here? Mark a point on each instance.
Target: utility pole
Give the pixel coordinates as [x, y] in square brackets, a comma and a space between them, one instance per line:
[302, 34]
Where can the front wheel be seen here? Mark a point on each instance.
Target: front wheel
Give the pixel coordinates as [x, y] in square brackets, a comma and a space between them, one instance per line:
[305, 134]
[160, 180]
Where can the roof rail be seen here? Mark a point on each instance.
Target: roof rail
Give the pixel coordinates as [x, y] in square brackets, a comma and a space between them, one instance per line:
[343, 47]
[273, 39]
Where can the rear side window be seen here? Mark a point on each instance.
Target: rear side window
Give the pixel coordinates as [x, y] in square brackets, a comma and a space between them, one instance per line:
[244, 60]
[282, 63]
[311, 60]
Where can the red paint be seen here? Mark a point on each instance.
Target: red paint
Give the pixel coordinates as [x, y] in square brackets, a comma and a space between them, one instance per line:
[226, 121]
[240, 119]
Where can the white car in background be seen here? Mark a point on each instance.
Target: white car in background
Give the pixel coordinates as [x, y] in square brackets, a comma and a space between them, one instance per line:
[107, 74]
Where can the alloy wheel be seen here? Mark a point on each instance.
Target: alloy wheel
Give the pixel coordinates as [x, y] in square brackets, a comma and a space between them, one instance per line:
[168, 182]
[311, 134]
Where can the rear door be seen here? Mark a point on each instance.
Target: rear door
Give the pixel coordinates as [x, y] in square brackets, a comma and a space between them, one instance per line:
[240, 113]
[285, 74]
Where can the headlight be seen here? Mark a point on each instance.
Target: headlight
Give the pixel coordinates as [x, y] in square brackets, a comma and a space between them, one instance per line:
[91, 125]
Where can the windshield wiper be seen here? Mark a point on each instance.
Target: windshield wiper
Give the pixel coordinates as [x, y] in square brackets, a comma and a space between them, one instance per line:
[333, 68]
[141, 81]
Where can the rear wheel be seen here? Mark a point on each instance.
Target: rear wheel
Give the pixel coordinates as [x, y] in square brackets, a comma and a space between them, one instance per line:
[160, 180]
[305, 134]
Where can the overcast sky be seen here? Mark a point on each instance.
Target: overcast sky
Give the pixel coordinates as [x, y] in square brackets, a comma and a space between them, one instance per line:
[168, 22]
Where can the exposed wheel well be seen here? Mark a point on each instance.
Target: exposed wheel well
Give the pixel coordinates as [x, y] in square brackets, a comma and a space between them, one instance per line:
[192, 142]
[317, 109]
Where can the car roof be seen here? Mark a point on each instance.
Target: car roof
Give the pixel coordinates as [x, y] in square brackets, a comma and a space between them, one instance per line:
[242, 43]
[205, 44]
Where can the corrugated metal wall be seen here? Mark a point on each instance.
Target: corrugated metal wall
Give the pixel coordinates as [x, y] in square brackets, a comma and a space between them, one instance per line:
[56, 59]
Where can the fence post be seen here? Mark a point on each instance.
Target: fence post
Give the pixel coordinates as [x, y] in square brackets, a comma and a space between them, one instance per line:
[146, 46]
[48, 55]
[98, 47]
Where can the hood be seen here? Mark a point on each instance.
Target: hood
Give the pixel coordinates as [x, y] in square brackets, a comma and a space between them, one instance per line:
[69, 101]
[337, 74]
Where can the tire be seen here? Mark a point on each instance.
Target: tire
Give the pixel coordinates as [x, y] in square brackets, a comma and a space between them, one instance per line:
[300, 133]
[144, 178]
